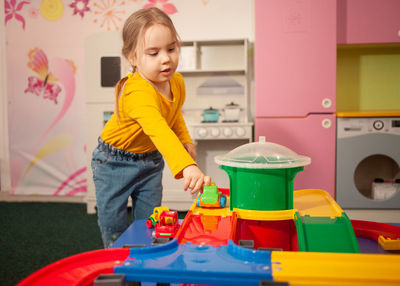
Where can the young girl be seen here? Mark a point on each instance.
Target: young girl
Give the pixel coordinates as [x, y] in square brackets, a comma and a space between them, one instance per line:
[146, 126]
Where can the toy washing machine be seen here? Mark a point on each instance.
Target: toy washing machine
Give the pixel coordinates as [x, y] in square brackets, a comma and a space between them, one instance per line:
[368, 160]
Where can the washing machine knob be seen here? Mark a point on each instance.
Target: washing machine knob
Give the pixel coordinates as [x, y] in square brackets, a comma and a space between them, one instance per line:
[378, 124]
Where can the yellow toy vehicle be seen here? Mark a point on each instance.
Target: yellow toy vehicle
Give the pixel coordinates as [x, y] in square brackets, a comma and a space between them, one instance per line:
[154, 218]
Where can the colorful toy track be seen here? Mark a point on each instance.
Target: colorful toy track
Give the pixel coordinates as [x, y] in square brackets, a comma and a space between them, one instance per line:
[388, 236]
[80, 269]
[311, 244]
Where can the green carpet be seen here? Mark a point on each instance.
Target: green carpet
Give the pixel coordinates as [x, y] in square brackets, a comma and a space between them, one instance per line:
[34, 235]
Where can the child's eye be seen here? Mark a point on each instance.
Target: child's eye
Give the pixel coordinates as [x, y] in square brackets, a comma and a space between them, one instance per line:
[153, 54]
[171, 49]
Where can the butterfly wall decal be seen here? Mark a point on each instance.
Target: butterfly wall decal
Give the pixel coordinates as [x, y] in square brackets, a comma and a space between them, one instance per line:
[44, 83]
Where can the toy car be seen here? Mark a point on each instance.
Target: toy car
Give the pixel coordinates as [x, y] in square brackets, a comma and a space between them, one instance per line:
[168, 225]
[211, 198]
[153, 219]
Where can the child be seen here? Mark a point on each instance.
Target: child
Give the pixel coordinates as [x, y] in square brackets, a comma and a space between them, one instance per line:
[146, 126]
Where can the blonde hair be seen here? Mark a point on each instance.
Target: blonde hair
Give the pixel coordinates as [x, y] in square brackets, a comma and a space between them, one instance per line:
[133, 32]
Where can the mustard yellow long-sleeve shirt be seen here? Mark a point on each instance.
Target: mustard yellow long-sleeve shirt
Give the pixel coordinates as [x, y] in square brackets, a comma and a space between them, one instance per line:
[149, 121]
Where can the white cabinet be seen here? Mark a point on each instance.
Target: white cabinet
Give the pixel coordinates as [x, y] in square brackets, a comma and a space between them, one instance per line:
[216, 74]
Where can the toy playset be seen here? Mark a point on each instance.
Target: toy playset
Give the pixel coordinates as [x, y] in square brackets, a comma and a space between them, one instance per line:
[259, 232]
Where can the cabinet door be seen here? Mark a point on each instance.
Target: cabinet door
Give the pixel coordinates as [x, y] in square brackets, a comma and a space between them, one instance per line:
[312, 136]
[295, 57]
[368, 21]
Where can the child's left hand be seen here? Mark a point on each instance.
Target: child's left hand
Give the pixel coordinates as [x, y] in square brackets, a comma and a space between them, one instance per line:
[191, 149]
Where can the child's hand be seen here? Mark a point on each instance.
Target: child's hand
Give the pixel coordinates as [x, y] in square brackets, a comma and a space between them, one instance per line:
[191, 149]
[194, 179]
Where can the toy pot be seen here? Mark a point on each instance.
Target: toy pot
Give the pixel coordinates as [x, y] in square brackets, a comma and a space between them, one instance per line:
[231, 112]
[210, 115]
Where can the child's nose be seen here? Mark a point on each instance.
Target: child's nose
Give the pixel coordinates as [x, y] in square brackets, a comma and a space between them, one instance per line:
[165, 57]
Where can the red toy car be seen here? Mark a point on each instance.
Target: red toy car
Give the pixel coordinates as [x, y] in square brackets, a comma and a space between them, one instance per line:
[168, 225]
[153, 219]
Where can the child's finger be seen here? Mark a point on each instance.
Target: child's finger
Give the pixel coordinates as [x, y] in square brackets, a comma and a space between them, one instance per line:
[193, 186]
[207, 180]
[186, 183]
[198, 186]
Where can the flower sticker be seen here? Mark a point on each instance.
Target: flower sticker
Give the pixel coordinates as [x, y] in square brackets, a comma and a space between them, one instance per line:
[162, 5]
[12, 9]
[80, 7]
[109, 13]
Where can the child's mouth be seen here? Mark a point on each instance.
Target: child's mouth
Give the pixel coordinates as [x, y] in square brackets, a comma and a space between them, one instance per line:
[166, 71]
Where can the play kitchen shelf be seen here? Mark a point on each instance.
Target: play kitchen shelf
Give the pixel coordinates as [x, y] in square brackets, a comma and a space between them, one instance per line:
[216, 74]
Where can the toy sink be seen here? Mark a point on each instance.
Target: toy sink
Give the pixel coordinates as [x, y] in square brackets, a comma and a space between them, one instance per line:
[261, 175]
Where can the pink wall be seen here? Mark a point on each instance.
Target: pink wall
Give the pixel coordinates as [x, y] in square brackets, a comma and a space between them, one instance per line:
[47, 128]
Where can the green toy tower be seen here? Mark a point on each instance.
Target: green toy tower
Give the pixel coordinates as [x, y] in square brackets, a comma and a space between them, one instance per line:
[261, 175]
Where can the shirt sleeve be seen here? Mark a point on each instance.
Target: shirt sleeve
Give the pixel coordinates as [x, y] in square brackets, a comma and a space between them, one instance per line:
[144, 107]
[181, 130]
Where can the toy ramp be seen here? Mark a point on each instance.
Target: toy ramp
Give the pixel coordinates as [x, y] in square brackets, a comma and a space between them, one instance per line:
[321, 224]
[324, 234]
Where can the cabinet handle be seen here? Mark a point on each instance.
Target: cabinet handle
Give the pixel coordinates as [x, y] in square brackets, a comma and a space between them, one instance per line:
[326, 123]
[326, 103]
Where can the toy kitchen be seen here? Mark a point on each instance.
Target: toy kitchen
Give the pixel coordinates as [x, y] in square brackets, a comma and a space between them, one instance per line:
[216, 110]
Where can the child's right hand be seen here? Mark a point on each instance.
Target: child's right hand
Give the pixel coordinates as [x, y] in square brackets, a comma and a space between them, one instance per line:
[194, 179]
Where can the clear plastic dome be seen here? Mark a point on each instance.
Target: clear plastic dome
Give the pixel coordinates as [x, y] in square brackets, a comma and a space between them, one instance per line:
[262, 155]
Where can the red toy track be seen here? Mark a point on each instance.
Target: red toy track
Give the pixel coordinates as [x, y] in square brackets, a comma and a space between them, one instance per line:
[373, 230]
[81, 269]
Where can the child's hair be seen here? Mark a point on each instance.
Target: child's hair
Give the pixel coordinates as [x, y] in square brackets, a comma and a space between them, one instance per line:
[133, 32]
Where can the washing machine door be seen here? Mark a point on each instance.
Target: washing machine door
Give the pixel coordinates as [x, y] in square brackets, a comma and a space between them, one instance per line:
[366, 171]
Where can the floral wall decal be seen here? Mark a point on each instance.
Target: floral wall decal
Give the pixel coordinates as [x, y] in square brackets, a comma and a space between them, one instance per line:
[52, 141]
[163, 5]
[110, 13]
[52, 10]
[12, 9]
[33, 13]
[80, 7]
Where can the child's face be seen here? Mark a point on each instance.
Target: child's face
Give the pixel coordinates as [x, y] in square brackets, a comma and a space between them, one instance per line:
[158, 58]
